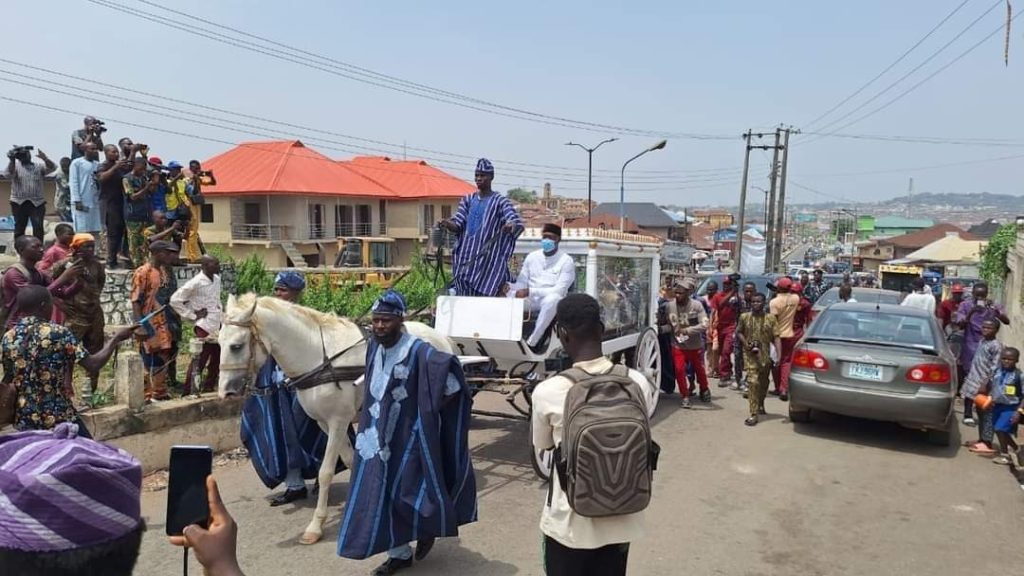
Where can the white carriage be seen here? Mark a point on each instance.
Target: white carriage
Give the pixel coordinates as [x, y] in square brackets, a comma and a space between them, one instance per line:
[620, 270]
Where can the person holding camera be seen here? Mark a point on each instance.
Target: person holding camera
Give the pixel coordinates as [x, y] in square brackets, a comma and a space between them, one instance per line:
[85, 193]
[111, 175]
[90, 132]
[138, 187]
[27, 200]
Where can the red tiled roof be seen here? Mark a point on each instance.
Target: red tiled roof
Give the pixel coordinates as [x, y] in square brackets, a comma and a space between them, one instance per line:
[286, 167]
[410, 178]
[922, 238]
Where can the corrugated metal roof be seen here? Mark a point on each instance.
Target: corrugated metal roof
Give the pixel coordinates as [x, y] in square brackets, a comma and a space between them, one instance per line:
[645, 214]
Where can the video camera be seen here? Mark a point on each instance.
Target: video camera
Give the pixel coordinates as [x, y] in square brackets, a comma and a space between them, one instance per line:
[98, 127]
[20, 151]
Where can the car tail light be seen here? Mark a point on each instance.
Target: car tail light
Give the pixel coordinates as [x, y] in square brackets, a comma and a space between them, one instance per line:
[806, 358]
[930, 374]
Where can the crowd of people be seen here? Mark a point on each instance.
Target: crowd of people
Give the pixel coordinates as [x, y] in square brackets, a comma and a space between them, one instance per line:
[113, 192]
[736, 335]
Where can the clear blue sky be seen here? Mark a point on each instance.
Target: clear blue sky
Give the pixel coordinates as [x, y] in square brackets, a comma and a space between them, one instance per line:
[696, 67]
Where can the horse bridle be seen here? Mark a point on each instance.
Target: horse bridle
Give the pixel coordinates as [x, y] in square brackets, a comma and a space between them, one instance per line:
[324, 373]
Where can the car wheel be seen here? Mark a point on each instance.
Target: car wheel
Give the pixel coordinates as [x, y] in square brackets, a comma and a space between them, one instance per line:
[943, 437]
[799, 416]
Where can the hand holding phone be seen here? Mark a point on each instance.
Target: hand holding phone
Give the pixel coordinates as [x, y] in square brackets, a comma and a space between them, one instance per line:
[215, 547]
[187, 502]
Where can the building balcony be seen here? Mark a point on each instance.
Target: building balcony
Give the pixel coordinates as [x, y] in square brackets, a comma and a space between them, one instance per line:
[261, 232]
[342, 230]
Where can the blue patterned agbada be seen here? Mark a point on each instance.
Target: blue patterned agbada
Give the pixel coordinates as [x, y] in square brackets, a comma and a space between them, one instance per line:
[480, 258]
[412, 478]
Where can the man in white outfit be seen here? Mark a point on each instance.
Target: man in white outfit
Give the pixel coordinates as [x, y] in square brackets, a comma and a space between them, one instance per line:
[921, 297]
[544, 280]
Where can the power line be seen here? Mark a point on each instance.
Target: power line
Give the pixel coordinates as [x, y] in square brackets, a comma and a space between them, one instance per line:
[363, 75]
[900, 96]
[990, 142]
[681, 186]
[889, 67]
[913, 70]
[191, 116]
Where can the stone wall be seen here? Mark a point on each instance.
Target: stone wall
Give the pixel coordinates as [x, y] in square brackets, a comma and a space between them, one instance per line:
[115, 300]
[1012, 295]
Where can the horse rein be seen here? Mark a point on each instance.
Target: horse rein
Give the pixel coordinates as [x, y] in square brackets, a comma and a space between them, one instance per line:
[324, 373]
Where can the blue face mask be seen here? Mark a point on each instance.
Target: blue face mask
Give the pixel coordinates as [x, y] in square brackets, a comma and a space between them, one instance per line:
[548, 245]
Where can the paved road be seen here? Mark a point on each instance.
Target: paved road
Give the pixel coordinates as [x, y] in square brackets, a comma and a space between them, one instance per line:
[837, 497]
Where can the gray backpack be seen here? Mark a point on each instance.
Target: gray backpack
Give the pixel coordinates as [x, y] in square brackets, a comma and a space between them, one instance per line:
[606, 460]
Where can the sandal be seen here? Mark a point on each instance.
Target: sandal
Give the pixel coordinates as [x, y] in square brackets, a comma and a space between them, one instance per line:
[752, 421]
[982, 449]
[1002, 460]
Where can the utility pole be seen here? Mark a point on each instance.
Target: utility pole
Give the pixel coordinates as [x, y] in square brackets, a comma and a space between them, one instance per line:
[769, 257]
[743, 200]
[910, 195]
[780, 216]
[741, 225]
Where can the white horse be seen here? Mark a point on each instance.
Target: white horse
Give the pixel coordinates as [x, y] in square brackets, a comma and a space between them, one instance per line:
[299, 339]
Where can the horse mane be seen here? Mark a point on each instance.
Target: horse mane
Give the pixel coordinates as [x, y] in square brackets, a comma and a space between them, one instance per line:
[279, 306]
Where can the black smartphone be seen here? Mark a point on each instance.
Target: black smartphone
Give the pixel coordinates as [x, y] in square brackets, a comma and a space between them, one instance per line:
[187, 501]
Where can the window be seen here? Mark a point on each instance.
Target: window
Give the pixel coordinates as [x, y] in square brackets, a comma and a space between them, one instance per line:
[206, 213]
[428, 218]
[252, 213]
[316, 221]
[364, 224]
[382, 212]
[446, 211]
[380, 254]
[342, 221]
[623, 288]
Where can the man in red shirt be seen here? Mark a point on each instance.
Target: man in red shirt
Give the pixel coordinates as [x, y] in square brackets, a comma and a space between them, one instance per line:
[948, 307]
[726, 305]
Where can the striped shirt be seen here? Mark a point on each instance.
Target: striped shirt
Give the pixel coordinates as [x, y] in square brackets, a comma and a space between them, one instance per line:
[480, 258]
[27, 183]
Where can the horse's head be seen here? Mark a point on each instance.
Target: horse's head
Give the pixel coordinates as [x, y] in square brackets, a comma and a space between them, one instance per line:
[241, 353]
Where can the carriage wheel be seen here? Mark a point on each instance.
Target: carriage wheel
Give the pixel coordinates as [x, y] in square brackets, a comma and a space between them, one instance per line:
[648, 362]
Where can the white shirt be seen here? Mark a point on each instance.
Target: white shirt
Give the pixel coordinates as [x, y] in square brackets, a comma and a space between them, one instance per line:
[923, 300]
[558, 520]
[545, 275]
[198, 293]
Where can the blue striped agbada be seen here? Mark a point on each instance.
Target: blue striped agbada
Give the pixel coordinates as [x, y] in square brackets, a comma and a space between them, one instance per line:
[412, 478]
[480, 258]
[278, 433]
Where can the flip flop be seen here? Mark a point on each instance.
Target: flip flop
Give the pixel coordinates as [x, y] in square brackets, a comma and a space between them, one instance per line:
[984, 451]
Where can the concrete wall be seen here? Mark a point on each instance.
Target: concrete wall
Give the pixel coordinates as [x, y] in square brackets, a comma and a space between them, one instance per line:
[49, 188]
[115, 299]
[1012, 295]
[148, 435]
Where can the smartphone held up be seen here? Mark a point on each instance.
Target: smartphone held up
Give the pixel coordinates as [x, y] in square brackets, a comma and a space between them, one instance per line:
[187, 501]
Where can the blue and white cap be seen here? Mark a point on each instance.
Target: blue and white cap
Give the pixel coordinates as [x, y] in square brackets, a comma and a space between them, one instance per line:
[391, 303]
[484, 165]
[291, 280]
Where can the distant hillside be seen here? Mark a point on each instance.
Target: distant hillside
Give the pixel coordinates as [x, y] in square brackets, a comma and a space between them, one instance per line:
[981, 200]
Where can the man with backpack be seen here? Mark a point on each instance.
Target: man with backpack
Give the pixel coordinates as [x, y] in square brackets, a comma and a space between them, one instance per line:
[587, 414]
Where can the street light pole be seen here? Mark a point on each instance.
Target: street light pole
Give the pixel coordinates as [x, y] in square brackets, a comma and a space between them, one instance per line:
[622, 183]
[590, 170]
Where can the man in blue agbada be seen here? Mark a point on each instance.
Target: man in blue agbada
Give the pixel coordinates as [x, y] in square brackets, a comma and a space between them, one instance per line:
[284, 443]
[487, 226]
[412, 478]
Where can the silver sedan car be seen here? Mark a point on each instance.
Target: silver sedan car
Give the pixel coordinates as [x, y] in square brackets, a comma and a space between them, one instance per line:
[876, 361]
[868, 295]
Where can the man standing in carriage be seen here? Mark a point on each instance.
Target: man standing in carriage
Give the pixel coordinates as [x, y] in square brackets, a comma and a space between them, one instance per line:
[285, 444]
[487, 226]
[417, 403]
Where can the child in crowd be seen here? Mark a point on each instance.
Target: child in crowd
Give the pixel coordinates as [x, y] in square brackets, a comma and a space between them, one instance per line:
[1006, 393]
[985, 362]
[757, 333]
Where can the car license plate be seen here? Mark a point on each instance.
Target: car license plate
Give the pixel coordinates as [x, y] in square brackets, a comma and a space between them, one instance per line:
[871, 372]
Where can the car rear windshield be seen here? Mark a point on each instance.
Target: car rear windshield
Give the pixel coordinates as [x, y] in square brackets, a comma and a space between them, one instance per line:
[884, 297]
[875, 327]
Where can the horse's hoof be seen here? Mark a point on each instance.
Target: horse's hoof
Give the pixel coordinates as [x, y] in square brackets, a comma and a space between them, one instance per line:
[310, 538]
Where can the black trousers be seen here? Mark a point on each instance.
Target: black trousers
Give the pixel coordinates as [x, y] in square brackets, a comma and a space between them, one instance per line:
[28, 211]
[116, 232]
[608, 560]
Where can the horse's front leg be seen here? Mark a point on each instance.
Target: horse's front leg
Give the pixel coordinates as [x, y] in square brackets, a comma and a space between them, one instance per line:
[336, 436]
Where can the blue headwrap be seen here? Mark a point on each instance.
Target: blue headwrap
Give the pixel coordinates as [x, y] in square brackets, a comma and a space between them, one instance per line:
[391, 303]
[290, 280]
[484, 165]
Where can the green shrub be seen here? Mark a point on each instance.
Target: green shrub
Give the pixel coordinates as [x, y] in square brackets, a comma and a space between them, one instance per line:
[993, 267]
[252, 276]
